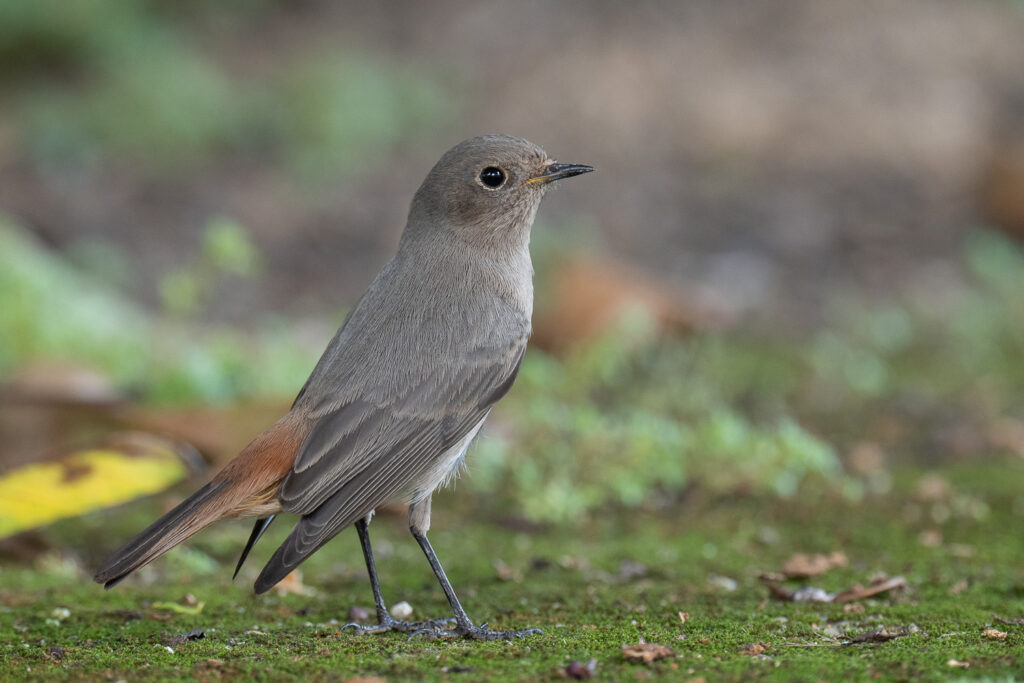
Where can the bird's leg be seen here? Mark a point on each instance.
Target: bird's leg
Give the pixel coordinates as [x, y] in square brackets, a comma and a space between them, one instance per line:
[419, 523]
[385, 622]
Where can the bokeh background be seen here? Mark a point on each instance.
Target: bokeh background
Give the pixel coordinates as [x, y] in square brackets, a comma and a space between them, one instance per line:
[798, 267]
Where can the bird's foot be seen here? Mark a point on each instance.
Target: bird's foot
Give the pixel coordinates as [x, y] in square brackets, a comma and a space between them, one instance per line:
[390, 624]
[480, 632]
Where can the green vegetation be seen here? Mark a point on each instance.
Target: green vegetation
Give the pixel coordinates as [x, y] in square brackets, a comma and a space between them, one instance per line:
[138, 84]
[613, 488]
[592, 586]
[633, 419]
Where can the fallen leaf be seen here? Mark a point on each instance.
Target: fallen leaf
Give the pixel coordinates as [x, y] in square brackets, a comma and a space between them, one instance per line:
[853, 608]
[994, 634]
[754, 649]
[958, 665]
[958, 587]
[802, 566]
[683, 616]
[589, 297]
[876, 587]
[645, 653]
[179, 609]
[881, 635]
[1015, 621]
[130, 466]
[292, 584]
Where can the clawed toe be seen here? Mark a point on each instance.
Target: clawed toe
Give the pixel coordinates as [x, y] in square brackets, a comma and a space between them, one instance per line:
[362, 628]
[390, 624]
[473, 632]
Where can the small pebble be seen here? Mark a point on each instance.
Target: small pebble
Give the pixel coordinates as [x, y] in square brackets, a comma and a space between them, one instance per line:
[402, 610]
[356, 613]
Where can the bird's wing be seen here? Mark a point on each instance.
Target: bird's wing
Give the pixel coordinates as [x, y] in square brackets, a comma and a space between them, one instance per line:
[361, 453]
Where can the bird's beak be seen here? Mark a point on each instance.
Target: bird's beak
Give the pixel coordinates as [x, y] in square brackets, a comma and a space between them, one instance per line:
[557, 171]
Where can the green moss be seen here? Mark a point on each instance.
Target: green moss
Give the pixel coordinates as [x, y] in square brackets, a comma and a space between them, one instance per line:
[574, 585]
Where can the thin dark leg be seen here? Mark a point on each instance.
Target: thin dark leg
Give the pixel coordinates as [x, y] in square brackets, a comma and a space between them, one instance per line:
[464, 627]
[385, 622]
[364, 540]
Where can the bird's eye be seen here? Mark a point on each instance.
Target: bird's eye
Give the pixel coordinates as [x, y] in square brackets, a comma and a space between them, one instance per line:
[492, 177]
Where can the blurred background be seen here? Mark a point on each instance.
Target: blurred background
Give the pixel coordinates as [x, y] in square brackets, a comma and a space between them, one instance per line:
[799, 264]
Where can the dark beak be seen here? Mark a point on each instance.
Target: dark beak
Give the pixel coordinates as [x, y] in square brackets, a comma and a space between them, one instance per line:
[558, 171]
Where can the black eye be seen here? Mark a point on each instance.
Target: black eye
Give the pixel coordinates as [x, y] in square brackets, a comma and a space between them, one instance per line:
[492, 177]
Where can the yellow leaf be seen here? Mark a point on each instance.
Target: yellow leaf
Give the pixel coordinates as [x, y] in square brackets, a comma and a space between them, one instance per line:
[180, 609]
[42, 493]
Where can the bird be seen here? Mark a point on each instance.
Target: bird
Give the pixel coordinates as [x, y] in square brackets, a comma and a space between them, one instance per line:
[404, 386]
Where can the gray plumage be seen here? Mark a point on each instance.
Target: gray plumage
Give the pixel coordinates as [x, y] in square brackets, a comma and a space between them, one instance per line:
[404, 386]
[433, 343]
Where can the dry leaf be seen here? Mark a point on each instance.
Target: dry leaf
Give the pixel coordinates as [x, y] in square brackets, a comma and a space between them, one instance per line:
[958, 665]
[292, 585]
[853, 608]
[683, 616]
[1015, 621]
[128, 466]
[876, 587]
[802, 566]
[993, 634]
[587, 297]
[958, 587]
[753, 649]
[881, 635]
[645, 653]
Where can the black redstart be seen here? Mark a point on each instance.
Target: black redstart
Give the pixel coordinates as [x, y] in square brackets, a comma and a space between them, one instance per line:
[404, 386]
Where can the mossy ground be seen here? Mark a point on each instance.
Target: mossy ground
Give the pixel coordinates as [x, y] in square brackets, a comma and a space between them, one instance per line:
[593, 587]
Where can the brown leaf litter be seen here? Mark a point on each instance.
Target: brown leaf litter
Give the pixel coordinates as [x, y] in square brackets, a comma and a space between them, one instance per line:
[883, 634]
[645, 653]
[754, 649]
[802, 565]
[880, 584]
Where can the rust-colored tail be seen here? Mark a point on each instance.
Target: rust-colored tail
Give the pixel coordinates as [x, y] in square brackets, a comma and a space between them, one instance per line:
[247, 486]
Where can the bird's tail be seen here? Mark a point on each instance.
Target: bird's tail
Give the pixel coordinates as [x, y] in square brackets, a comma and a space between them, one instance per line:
[246, 487]
[191, 516]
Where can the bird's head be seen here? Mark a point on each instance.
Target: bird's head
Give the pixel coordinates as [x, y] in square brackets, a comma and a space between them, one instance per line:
[487, 189]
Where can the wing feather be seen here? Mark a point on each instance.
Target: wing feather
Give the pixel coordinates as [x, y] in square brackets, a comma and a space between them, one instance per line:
[360, 455]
